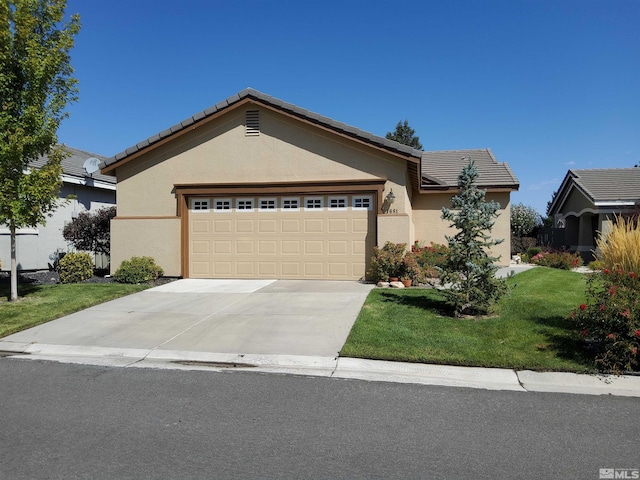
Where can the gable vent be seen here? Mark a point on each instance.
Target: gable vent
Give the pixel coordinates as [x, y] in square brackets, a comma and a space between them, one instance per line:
[252, 123]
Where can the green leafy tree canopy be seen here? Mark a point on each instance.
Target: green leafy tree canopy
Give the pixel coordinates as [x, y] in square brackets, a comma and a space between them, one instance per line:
[406, 135]
[35, 87]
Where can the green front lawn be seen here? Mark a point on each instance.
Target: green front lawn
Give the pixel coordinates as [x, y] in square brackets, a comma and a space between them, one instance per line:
[528, 331]
[42, 303]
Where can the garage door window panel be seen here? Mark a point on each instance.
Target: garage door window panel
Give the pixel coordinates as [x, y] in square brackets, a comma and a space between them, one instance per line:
[290, 204]
[222, 205]
[267, 205]
[200, 205]
[314, 204]
[337, 203]
[361, 203]
[244, 204]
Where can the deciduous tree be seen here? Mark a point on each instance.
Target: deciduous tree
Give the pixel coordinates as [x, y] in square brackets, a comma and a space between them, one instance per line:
[524, 219]
[36, 84]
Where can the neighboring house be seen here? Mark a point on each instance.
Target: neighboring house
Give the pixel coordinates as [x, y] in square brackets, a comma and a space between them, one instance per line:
[588, 201]
[256, 187]
[34, 246]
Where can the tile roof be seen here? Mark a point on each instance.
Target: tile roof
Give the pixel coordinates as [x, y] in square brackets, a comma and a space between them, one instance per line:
[255, 95]
[440, 170]
[72, 165]
[609, 184]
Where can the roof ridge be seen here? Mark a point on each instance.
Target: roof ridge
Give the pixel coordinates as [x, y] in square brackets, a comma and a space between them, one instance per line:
[460, 150]
[604, 168]
[252, 93]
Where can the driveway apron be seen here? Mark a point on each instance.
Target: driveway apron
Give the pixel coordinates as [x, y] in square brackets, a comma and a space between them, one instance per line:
[278, 317]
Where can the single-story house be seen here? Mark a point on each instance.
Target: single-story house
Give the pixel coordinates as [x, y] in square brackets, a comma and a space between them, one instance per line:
[256, 187]
[588, 201]
[35, 247]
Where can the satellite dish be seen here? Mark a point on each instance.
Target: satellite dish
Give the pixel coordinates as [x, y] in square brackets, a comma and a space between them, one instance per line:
[91, 165]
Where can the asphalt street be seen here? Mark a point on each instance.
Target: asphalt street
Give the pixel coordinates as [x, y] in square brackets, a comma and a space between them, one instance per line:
[81, 421]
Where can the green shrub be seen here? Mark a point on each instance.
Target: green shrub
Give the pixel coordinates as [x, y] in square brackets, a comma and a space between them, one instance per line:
[562, 260]
[610, 320]
[596, 265]
[533, 251]
[521, 244]
[138, 270]
[75, 267]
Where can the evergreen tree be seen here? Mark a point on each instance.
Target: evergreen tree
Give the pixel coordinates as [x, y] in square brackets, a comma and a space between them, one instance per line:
[35, 86]
[469, 271]
[406, 135]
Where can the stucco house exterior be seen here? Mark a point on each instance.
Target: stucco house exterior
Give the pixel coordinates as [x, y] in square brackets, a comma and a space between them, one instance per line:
[35, 245]
[257, 187]
[588, 201]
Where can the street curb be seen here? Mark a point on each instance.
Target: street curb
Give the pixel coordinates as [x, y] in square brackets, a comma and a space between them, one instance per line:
[333, 367]
[566, 382]
[425, 374]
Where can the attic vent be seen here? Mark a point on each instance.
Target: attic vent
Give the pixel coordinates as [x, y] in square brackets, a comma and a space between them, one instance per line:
[252, 123]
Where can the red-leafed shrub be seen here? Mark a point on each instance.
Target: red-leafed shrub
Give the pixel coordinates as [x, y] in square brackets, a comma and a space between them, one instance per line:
[610, 319]
[430, 258]
[562, 260]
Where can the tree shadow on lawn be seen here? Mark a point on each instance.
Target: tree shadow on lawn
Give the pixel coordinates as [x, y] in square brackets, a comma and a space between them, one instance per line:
[561, 337]
[24, 289]
[566, 344]
[433, 303]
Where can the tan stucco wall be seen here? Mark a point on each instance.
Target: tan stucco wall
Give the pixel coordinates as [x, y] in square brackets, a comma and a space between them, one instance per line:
[155, 237]
[429, 227]
[286, 150]
[394, 228]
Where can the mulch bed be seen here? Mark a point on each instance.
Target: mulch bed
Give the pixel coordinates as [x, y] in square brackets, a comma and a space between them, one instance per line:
[48, 277]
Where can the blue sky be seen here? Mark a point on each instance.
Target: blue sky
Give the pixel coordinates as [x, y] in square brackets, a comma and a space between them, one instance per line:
[547, 85]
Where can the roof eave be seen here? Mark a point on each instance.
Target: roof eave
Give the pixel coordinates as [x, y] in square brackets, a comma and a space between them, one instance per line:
[251, 95]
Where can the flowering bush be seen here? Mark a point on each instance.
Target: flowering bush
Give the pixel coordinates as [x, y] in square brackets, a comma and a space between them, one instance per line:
[611, 319]
[387, 261]
[430, 257]
[410, 269]
[562, 260]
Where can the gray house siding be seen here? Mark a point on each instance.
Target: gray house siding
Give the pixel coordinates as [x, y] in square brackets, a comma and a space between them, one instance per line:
[92, 192]
[35, 245]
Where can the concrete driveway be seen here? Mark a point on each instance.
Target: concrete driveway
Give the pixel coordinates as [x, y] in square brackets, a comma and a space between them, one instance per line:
[280, 317]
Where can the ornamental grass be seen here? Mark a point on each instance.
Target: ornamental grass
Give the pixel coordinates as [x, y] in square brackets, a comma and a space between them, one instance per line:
[620, 247]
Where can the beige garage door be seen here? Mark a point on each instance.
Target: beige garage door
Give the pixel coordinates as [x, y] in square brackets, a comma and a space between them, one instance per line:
[297, 237]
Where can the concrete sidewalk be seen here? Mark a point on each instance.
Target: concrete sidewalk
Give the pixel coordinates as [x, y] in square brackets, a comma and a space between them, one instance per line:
[332, 367]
